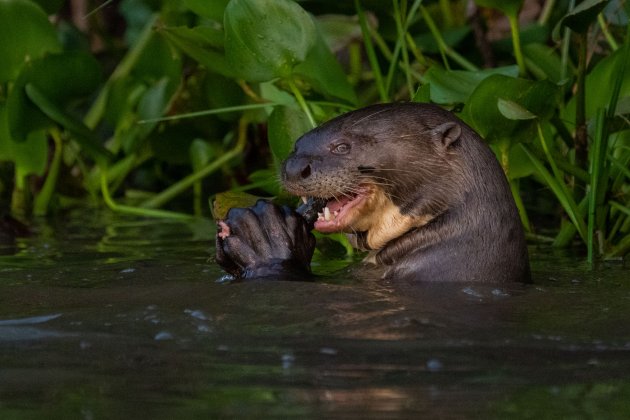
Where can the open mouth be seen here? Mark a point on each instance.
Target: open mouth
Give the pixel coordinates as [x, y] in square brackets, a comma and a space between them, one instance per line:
[339, 213]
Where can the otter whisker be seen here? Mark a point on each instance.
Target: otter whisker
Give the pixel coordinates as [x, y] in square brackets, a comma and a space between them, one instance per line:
[370, 116]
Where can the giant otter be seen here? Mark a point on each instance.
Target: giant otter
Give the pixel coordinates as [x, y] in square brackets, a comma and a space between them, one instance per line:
[409, 182]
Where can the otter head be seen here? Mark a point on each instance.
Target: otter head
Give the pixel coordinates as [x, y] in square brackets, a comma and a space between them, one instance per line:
[384, 170]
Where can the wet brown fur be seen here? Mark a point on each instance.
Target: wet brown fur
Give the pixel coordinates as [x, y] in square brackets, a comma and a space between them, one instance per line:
[440, 207]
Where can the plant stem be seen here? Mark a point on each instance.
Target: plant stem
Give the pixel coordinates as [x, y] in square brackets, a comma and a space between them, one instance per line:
[514, 186]
[301, 102]
[445, 50]
[174, 190]
[557, 185]
[369, 49]
[137, 211]
[581, 140]
[445, 8]
[516, 42]
[40, 205]
[214, 111]
[596, 169]
[609, 38]
[546, 12]
[566, 44]
[128, 62]
[401, 46]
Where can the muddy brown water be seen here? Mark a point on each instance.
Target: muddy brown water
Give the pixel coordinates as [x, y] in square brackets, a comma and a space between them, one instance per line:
[104, 316]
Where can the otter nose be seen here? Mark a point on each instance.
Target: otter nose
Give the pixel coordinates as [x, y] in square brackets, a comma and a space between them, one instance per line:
[297, 169]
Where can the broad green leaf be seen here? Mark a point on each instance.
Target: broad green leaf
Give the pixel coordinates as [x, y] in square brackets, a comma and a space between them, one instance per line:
[423, 94]
[157, 61]
[322, 70]
[267, 181]
[154, 101]
[580, 18]
[599, 86]
[25, 34]
[483, 114]
[266, 39]
[201, 152]
[201, 44]
[455, 86]
[452, 37]
[520, 164]
[509, 7]
[338, 30]
[151, 105]
[60, 78]
[543, 61]
[211, 9]
[560, 191]
[82, 134]
[222, 92]
[224, 201]
[513, 111]
[286, 124]
[29, 156]
[272, 93]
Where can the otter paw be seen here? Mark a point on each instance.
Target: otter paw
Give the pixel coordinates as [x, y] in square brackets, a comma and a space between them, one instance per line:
[264, 241]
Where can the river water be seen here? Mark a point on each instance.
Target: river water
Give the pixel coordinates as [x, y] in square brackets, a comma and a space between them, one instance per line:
[104, 316]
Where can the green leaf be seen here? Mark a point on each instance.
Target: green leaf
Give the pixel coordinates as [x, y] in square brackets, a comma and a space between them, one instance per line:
[265, 180]
[483, 114]
[203, 44]
[560, 191]
[581, 17]
[423, 94]
[266, 39]
[159, 60]
[286, 125]
[82, 134]
[599, 86]
[222, 92]
[201, 152]
[509, 7]
[151, 105]
[60, 78]
[212, 9]
[322, 70]
[224, 201]
[513, 111]
[455, 86]
[26, 34]
[338, 30]
[543, 61]
[29, 156]
[452, 37]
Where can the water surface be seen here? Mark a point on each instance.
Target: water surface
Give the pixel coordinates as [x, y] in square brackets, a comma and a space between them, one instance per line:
[104, 316]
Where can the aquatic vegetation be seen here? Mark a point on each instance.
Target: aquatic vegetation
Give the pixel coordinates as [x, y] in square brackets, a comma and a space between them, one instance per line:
[152, 106]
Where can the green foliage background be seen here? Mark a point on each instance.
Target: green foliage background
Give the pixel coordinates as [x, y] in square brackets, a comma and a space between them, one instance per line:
[146, 104]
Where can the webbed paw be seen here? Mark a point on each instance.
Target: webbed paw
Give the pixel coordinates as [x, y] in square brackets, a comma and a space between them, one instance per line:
[263, 241]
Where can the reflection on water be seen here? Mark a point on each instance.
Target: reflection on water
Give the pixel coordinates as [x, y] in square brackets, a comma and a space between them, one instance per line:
[109, 317]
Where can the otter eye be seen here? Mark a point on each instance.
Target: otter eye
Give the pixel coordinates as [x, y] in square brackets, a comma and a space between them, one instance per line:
[341, 149]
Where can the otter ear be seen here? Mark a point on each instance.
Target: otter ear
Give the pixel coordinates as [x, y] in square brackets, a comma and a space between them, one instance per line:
[446, 134]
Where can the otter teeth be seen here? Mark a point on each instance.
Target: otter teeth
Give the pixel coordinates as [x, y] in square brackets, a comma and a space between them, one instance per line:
[326, 214]
[304, 200]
